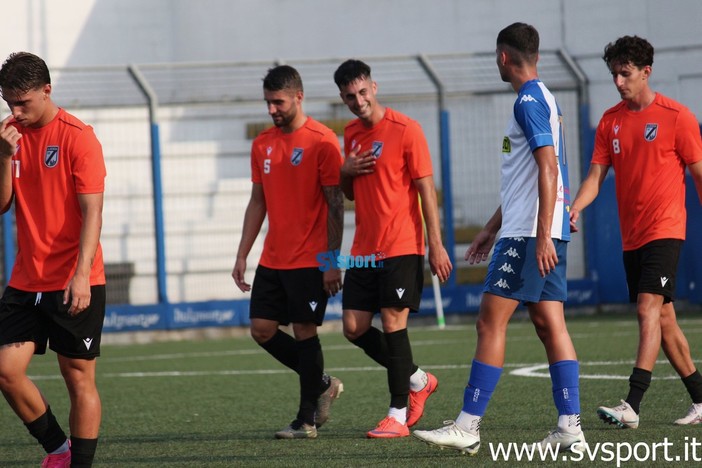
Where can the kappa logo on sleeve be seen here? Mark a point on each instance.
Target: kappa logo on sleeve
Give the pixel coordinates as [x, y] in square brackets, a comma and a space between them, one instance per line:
[51, 156]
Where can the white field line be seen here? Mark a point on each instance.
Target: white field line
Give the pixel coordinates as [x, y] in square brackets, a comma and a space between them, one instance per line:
[539, 370]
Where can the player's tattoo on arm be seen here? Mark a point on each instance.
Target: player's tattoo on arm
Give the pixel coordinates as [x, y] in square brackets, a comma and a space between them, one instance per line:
[335, 217]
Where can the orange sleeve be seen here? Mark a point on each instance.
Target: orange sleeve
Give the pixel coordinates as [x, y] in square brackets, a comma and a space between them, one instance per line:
[417, 152]
[88, 163]
[688, 143]
[601, 153]
[329, 160]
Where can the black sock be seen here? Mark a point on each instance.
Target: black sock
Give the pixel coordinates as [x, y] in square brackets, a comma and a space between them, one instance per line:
[374, 344]
[47, 431]
[310, 369]
[399, 368]
[639, 381]
[693, 383]
[82, 452]
[282, 347]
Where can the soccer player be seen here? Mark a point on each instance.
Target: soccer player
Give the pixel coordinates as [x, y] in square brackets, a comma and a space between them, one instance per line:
[295, 172]
[529, 262]
[52, 165]
[387, 166]
[648, 139]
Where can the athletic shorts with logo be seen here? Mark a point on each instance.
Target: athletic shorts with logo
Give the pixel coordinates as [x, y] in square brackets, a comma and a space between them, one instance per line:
[398, 282]
[38, 317]
[513, 272]
[288, 296]
[651, 268]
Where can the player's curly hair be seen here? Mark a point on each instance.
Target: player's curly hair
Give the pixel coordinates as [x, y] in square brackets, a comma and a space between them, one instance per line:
[282, 77]
[23, 72]
[629, 49]
[523, 39]
[350, 71]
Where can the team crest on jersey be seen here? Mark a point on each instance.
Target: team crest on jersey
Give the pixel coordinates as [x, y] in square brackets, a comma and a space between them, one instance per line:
[51, 156]
[377, 149]
[651, 131]
[506, 145]
[296, 157]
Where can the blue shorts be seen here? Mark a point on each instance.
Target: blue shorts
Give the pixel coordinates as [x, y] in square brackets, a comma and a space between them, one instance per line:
[514, 274]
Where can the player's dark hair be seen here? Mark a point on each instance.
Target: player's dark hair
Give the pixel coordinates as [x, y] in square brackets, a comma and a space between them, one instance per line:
[282, 77]
[23, 72]
[523, 39]
[350, 71]
[629, 49]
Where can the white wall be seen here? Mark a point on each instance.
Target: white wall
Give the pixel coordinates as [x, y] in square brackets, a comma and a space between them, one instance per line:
[98, 32]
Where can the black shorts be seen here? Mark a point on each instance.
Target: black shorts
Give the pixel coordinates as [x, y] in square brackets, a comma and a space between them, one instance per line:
[288, 296]
[38, 317]
[398, 282]
[651, 268]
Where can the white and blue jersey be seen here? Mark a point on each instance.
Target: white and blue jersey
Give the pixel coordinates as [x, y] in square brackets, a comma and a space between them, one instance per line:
[537, 122]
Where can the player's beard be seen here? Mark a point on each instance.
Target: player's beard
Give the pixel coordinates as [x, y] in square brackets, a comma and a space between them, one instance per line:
[285, 119]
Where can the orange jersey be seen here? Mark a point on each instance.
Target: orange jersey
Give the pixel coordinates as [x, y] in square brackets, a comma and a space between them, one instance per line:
[293, 167]
[388, 214]
[52, 166]
[649, 151]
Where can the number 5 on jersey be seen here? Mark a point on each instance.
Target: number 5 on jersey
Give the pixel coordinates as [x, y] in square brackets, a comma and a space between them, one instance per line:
[266, 166]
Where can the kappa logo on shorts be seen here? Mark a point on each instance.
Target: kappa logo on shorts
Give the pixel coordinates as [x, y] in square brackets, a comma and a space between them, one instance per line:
[296, 157]
[400, 292]
[502, 283]
[51, 156]
[88, 342]
[507, 268]
[651, 131]
[512, 252]
[664, 280]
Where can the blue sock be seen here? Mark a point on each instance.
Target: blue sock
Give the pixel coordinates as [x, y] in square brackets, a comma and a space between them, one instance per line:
[566, 390]
[481, 384]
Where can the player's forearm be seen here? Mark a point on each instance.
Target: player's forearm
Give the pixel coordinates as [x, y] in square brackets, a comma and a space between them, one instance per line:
[495, 222]
[430, 210]
[335, 216]
[91, 208]
[346, 184]
[253, 220]
[6, 190]
[548, 183]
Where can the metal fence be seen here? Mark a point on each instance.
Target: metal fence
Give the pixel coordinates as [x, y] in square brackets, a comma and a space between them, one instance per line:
[177, 144]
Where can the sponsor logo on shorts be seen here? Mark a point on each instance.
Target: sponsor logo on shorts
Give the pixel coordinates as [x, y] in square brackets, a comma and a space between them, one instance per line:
[664, 280]
[313, 305]
[502, 283]
[507, 268]
[400, 292]
[333, 259]
[88, 342]
[512, 252]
